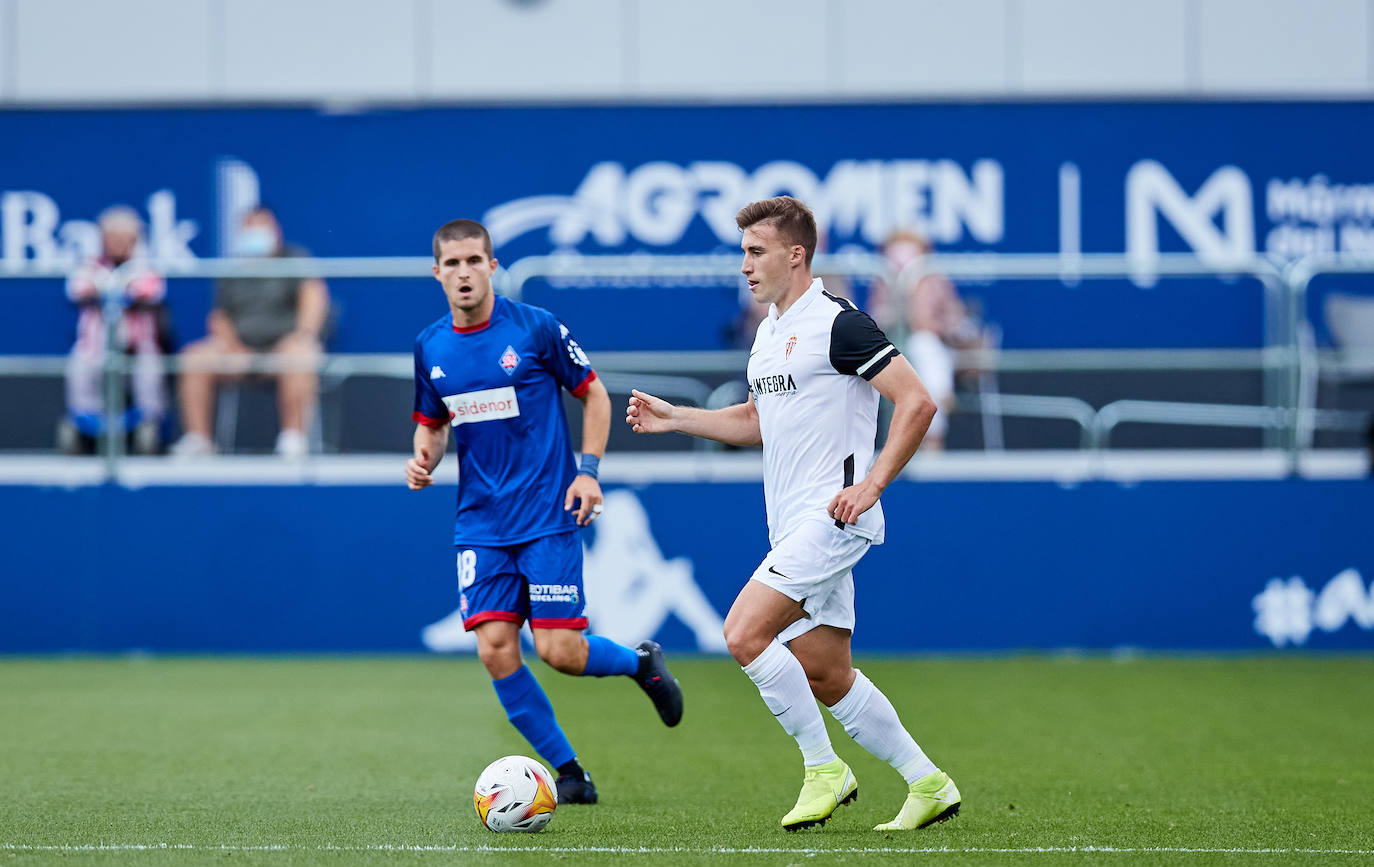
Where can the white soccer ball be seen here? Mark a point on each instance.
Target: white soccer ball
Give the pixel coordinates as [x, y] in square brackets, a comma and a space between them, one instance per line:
[515, 794]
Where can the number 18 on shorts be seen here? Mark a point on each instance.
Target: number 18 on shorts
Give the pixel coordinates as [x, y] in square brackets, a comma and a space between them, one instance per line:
[539, 581]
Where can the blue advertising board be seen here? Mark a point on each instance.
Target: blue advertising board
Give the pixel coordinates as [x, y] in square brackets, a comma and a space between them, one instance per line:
[1138, 177]
[995, 566]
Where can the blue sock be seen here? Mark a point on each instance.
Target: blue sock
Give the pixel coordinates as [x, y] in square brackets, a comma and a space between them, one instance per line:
[528, 709]
[605, 657]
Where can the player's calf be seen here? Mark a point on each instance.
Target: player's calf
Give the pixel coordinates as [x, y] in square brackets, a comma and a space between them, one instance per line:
[563, 659]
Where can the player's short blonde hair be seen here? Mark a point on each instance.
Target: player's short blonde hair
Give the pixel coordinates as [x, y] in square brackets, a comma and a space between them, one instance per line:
[793, 220]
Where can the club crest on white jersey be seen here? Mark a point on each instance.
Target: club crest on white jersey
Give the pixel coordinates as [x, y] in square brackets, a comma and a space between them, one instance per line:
[486, 405]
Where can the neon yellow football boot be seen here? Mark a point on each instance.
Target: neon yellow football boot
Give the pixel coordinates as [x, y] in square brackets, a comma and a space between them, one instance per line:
[826, 787]
[933, 798]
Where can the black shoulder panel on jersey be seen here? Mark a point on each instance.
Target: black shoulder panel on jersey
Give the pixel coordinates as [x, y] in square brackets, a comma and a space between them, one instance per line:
[857, 345]
[843, 302]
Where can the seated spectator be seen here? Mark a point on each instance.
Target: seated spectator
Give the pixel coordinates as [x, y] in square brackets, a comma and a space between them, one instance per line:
[140, 299]
[284, 316]
[938, 322]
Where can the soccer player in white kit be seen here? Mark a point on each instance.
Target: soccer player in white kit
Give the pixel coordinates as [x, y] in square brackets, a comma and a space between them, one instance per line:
[816, 370]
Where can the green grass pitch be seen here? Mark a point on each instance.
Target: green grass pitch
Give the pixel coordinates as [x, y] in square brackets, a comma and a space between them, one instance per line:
[1258, 760]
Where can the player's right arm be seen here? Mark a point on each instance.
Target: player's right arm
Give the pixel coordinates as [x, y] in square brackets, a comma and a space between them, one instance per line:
[736, 425]
[432, 422]
[430, 443]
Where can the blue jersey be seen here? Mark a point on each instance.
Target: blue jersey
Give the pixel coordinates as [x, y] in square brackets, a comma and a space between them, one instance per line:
[498, 385]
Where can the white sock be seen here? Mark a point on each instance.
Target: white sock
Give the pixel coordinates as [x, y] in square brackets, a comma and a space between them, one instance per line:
[786, 691]
[871, 720]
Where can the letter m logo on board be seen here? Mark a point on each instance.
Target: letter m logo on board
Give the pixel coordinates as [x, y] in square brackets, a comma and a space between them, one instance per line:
[1217, 222]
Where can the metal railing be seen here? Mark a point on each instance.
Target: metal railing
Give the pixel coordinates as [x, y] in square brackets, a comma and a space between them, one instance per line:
[1287, 411]
[1284, 362]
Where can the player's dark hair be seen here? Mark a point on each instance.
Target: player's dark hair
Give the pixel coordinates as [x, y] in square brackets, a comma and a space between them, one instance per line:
[793, 220]
[457, 230]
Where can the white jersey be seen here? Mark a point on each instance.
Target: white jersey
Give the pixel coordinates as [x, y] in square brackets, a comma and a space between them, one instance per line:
[808, 373]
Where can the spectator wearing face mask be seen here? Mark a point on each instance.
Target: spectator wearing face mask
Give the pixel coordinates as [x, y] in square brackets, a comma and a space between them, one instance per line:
[283, 316]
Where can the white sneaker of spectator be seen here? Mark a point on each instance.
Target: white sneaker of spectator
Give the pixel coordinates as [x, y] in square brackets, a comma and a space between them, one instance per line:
[192, 445]
[292, 444]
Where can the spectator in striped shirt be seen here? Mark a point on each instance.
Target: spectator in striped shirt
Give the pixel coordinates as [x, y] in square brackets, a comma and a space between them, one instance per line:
[139, 291]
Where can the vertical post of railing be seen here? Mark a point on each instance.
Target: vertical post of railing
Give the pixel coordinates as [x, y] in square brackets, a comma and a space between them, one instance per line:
[1278, 334]
[112, 306]
[1297, 308]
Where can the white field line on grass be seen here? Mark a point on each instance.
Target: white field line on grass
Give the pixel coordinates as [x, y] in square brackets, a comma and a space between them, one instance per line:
[687, 850]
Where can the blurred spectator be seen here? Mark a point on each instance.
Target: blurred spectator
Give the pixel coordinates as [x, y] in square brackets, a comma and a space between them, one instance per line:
[140, 298]
[252, 315]
[937, 321]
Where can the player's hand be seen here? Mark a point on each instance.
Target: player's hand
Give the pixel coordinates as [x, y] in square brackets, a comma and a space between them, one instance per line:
[586, 492]
[852, 502]
[648, 414]
[418, 471]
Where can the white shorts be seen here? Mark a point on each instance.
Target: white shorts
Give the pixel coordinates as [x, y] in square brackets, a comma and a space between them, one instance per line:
[813, 565]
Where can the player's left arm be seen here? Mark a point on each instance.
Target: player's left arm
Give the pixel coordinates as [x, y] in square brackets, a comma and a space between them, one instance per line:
[913, 409]
[585, 490]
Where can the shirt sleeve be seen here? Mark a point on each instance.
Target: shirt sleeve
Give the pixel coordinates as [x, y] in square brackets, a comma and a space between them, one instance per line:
[429, 408]
[81, 285]
[858, 346]
[568, 363]
[148, 287]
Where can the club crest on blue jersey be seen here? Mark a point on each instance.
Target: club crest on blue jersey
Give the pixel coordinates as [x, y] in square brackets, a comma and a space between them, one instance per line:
[510, 359]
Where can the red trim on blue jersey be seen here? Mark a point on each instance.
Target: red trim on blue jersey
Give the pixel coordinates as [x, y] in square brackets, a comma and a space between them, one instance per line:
[484, 616]
[425, 420]
[558, 623]
[471, 328]
[584, 385]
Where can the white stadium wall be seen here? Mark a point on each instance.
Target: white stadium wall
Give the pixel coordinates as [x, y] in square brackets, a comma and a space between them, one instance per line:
[136, 51]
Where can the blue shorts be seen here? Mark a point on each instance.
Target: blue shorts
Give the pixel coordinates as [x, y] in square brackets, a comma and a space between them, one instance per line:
[539, 581]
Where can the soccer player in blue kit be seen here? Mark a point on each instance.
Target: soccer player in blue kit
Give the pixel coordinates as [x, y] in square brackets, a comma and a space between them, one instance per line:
[490, 371]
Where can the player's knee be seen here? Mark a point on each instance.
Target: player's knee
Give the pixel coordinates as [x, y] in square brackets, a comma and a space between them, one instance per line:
[744, 644]
[500, 658]
[498, 665]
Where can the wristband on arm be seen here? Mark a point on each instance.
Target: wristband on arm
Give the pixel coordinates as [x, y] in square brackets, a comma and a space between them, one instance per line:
[590, 465]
